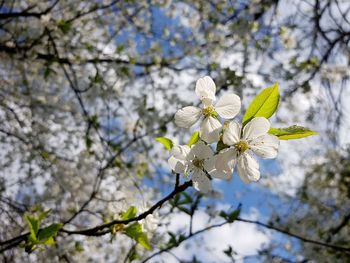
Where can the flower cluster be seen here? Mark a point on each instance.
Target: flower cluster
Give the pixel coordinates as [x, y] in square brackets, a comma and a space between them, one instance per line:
[238, 142]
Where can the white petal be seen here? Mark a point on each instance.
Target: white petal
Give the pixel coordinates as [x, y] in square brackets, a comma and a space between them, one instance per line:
[232, 133]
[201, 181]
[210, 130]
[221, 174]
[180, 151]
[178, 166]
[205, 88]
[190, 167]
[226, 160]
[265, 146]
[255, 128]
[207, 102]
[228, 106]
[150, 223]
[248, 168]
[201, 151]
[187, 116]
[209, 164]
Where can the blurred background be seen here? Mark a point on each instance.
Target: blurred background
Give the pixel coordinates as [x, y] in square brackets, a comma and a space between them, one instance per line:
[87, 85]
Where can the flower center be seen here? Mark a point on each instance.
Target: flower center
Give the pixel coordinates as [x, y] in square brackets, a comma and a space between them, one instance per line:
[241, 146]
[198, 163]
[209, 111]
[117, 228]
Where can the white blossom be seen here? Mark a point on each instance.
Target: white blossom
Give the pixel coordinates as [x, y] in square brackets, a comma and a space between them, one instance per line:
[254, 139]
[150, 222]
[178, 160]
[227, 107]
[199, 161]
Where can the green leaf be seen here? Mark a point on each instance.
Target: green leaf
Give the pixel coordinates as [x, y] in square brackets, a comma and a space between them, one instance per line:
[231, 217]
[185, 210]
[264, 104]
[291, 133]
[172, 241]
[29, 247]
[133, 255]
[134, 231]
[49, 242]
[166, 142]
[45, 155]
[141, 170]
[194, 139]
[44, 214]
[34, 225]
[143, 241]
[187, 199]
[78, 246]
[88, 142]
[130, 213]
[64, 25]
[48, 232]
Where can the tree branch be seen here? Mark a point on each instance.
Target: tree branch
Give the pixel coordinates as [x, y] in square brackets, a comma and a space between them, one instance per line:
[25, 13]
[98, 230]
[304, 239]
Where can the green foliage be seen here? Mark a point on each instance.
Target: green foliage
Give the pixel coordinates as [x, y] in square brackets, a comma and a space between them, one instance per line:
[78, 247]
[309, 64]
[141, 170]
[130, 213]
[134, 231]
[194, 139]
[264, 104]
[119, 49]
[48, 71]
[133, 255]
[64, 26]
[88, 142]
[292, 132]
[97, 79]
[94, 121]
[174, 241]
[45, 155]
[183, 202]
[48, 232]
[37, 236]
[232, 216]
[168, 144]
[232, 78]
[33, 224]
[181, 199]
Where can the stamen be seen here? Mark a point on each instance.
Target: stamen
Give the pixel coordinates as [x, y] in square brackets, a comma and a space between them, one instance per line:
[241, 146]
[209, 111]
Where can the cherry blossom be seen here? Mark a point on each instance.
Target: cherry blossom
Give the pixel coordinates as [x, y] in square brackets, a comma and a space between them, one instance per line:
[227, 107]
[254, 139]
[199, 161]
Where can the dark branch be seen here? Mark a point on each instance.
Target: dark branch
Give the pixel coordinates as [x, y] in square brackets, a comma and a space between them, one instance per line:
[26, 13]
[304, 239]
